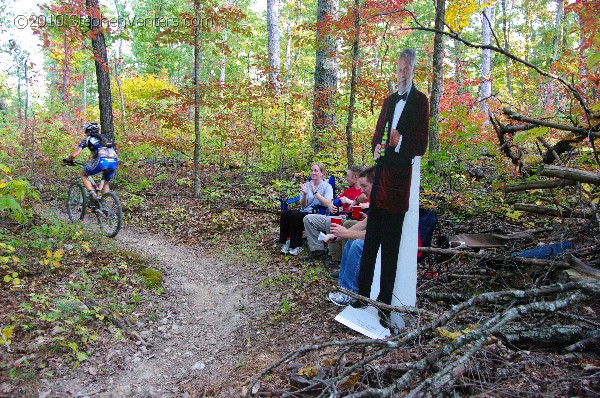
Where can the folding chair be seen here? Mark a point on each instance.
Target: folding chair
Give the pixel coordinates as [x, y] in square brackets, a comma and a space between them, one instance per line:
[318, 209]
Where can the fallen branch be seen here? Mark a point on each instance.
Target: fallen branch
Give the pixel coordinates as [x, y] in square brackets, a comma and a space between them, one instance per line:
[447, 297]
[580, 291]
[547, 184]
[582, 267]
[499, 258]
[584, 345]
[587, 214]
[475, 338]
[577, 130]
[554, 336]
[569, 174]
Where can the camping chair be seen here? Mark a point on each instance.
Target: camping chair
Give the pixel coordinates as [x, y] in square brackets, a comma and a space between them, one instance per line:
[318, 209]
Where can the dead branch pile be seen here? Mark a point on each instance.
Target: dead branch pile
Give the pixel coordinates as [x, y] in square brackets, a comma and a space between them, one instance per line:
[449, 343]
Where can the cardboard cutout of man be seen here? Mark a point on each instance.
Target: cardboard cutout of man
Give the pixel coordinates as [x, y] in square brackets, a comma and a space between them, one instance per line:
[400, 135]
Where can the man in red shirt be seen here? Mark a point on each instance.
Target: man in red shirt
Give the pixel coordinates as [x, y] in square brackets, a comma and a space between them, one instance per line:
[316, 223]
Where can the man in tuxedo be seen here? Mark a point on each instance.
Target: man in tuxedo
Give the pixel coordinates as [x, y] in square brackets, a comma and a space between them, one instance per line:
[400, 135]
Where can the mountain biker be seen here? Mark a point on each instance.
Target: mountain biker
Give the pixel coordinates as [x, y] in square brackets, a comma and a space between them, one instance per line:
[103, 158]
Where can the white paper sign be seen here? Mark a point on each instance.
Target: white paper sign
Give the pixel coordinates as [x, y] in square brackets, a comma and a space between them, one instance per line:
[364, 321]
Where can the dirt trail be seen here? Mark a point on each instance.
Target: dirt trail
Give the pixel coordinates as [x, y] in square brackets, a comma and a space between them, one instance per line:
[185, 334]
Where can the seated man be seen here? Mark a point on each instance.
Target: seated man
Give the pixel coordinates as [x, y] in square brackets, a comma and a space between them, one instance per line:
[316, 223]
[352, 253]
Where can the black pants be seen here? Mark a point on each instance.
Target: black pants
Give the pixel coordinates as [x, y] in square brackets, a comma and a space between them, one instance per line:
[383, 229]
[291, 226]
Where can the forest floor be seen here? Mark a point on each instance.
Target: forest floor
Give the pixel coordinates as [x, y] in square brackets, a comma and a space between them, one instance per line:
[230, 305]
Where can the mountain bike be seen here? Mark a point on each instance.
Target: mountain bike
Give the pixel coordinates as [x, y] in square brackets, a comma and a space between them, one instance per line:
[107, 207]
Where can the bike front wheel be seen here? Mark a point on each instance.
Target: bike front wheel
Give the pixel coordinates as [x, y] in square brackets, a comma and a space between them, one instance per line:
[110, 214]
[76, 202]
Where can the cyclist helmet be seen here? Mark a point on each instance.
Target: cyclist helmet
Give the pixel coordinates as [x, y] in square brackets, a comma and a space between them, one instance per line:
[91, 128]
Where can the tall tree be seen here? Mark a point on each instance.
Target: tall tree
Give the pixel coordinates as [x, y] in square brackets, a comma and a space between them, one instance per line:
[101, 60]
[326, 74]
[274, 40]
[353, 84]
[118, 60]
[506, 34]
[438, 76]
[197, 54]
[485, 88]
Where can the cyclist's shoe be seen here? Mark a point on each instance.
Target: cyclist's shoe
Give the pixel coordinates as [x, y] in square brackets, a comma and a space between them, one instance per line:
[93, 195]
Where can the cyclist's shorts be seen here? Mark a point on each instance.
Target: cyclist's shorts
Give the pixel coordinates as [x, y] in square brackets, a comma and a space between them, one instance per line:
[108, 167]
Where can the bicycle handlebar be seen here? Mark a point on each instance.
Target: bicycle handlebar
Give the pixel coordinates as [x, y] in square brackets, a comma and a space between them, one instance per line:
[72, 162]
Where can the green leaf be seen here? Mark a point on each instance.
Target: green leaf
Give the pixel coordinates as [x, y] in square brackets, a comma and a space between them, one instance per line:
[530, 135]
[593, 60]
[82, 356]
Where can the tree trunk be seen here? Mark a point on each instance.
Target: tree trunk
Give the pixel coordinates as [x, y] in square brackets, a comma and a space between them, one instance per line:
[506, 31]
[222, 65]
[326, 75]
[84, 99]
[101, 61]
[353, 79]
[121, 95]
[288, 55]
[485, 88]
[438, 76]
[197, 53]
[66, 70]
[557, 29]
[119, 58]
[274, 39]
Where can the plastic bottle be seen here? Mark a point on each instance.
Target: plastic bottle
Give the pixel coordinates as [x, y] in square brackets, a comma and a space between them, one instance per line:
[287, 244]
[384, 141]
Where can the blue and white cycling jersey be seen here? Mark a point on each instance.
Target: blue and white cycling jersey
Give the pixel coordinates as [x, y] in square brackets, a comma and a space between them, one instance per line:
[93, 144]
[103, 159]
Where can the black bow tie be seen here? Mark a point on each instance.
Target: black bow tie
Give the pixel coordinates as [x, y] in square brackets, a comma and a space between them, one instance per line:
[403, 96]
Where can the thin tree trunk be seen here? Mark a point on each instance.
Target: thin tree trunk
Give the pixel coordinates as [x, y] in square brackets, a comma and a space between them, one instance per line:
[353, 83]
[485, 88]
[84, 99]
[101, 61]
[32, 137]
[288, 55]
[121, 20]
[438, 76]
[274, 39]
[222, 71]
[558, 29]
[197, 54]
[326, 75]
[506, 30]
[121, 95]
[66, 80]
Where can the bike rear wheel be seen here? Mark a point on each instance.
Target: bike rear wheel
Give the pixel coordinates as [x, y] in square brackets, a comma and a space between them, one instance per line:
[109, 214]
[76, 202]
